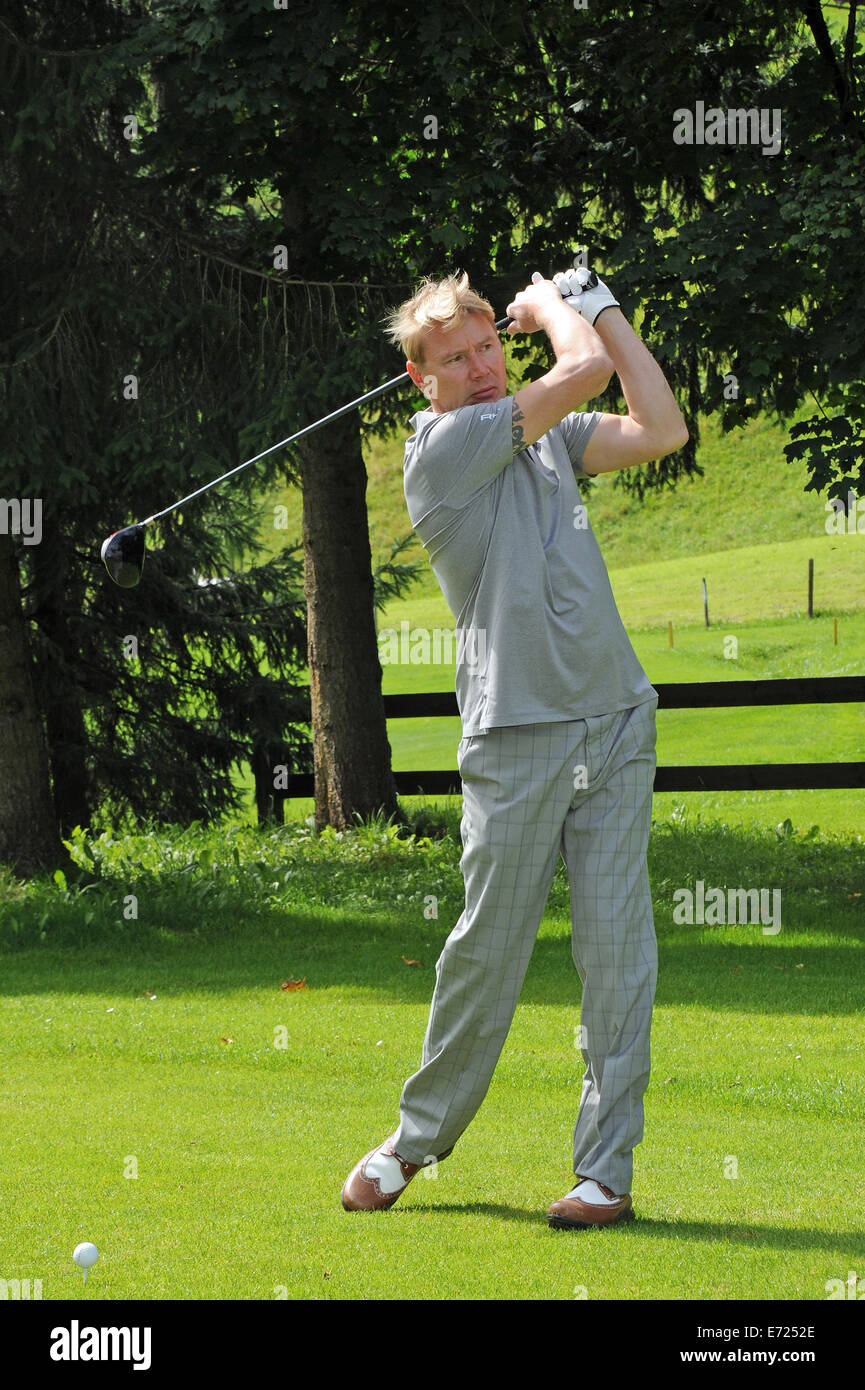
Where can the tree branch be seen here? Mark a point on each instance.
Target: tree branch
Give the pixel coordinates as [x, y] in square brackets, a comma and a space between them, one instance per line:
[849, 46]
[275, 279]
[817, 24]
[58, 52]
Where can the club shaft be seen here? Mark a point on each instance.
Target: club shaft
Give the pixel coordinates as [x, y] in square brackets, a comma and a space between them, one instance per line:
[292, 438]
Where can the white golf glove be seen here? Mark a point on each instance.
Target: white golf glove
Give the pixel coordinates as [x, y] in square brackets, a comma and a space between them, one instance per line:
[582, 289]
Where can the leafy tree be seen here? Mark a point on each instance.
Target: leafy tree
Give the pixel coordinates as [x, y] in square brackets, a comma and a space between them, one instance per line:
[111, 398]
[311, 163]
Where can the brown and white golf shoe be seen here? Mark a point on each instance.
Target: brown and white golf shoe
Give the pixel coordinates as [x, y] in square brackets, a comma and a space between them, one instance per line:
[572, 1213]
[378, 1180]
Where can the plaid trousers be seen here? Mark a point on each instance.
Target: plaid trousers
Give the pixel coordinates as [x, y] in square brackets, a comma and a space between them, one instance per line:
[582, 788]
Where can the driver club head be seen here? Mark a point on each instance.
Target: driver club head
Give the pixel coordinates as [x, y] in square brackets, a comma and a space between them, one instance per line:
[123, 553]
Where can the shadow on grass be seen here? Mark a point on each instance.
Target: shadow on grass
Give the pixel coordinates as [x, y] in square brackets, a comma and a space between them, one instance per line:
[496, 1209]
[748, 1235]
[723, 968]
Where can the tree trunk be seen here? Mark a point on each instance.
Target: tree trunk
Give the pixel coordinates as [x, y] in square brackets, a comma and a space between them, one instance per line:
[59, 693]
[29, 840]
[353, 774]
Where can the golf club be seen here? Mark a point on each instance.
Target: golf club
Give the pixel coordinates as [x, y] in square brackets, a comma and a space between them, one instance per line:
[123, 551]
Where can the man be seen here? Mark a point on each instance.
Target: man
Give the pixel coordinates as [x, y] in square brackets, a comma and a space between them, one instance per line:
[558, 747]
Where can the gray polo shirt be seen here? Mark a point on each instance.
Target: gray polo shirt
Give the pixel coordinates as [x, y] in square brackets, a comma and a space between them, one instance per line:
[539, 637]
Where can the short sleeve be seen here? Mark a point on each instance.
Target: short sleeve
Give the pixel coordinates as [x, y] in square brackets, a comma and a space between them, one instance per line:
[453, 455]
[576, 430]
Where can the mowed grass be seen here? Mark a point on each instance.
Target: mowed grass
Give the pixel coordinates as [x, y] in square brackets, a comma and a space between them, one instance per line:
[167, 1099]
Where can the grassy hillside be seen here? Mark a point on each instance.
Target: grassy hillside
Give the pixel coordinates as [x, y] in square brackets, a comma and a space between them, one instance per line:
[749, 528]
[749, 496]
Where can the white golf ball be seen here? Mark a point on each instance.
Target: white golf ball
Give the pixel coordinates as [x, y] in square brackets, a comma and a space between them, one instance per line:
[85, 1254]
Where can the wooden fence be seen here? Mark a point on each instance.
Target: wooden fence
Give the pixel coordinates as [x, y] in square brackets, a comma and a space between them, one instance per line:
[817, 690]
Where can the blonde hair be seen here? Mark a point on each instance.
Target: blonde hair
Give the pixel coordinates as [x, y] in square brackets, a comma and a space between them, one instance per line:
[435, 304]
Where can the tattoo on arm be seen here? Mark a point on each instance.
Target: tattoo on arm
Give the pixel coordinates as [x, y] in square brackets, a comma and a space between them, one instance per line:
[517, 433]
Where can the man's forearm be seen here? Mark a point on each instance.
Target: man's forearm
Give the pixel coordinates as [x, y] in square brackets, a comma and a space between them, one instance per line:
[573, 340]
[650, 401]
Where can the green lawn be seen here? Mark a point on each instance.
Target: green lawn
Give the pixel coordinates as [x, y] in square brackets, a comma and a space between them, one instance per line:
[165, 1098]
